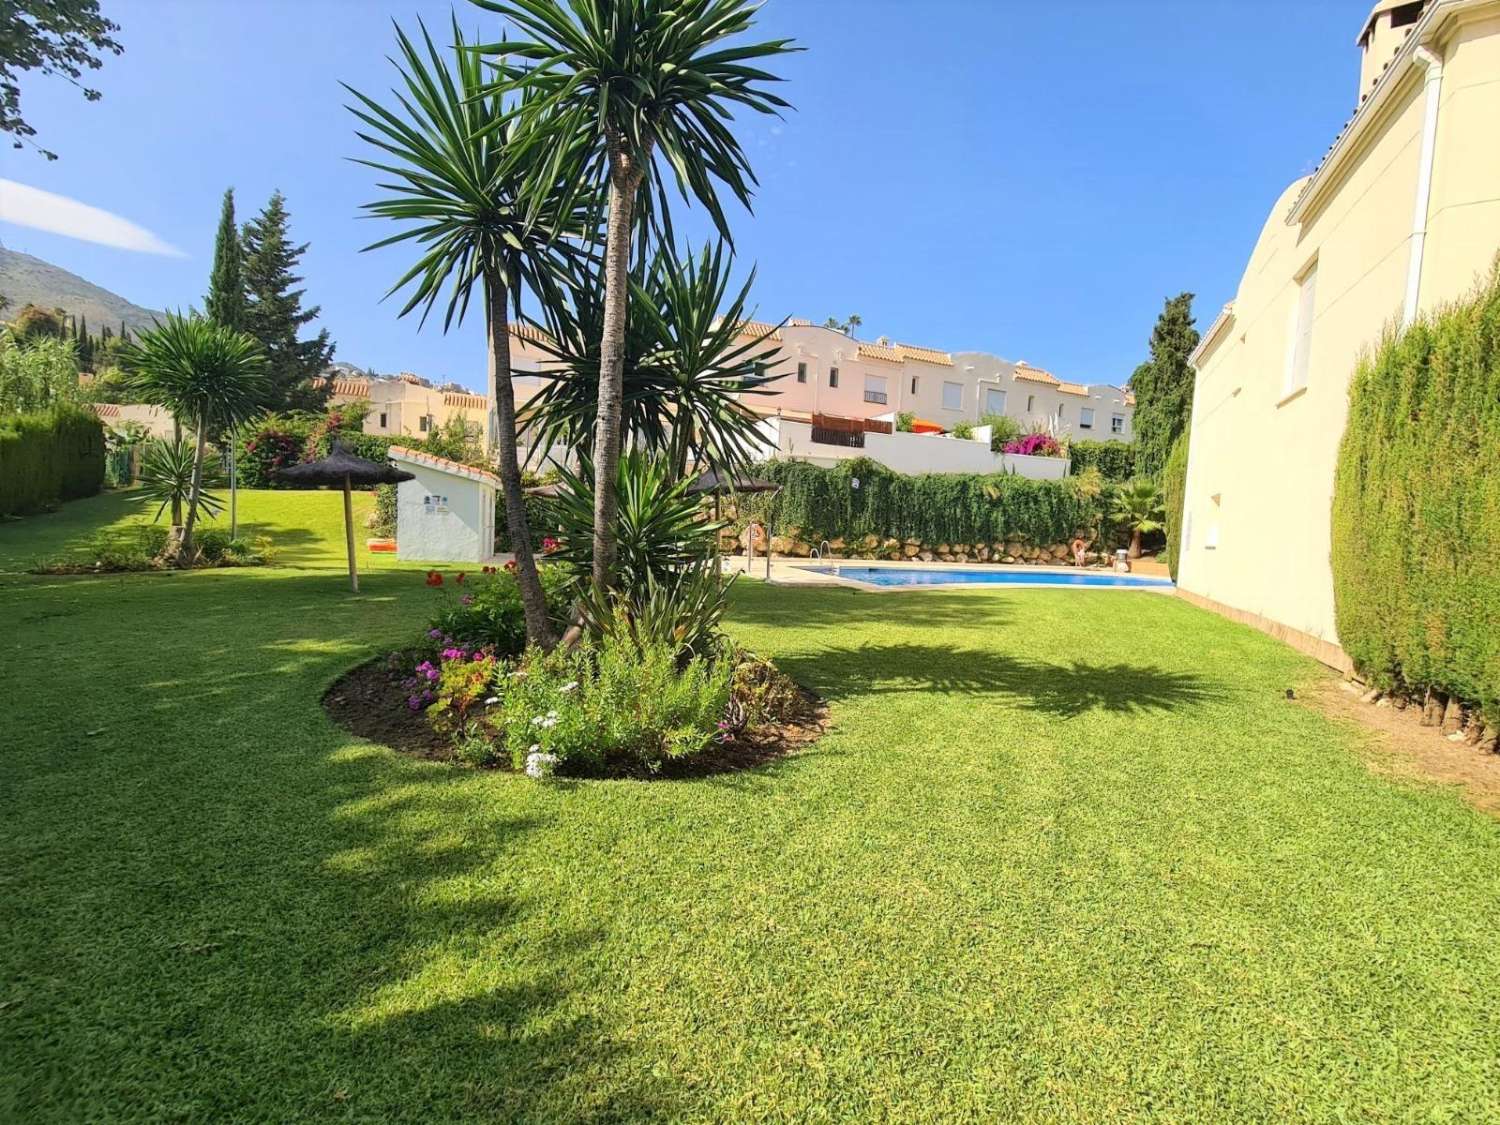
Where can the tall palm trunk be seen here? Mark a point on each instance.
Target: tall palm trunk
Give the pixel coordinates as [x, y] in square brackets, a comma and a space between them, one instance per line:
[176, 500]
[503, 398]
[185, 545]
[1135, 544]
[624, 180]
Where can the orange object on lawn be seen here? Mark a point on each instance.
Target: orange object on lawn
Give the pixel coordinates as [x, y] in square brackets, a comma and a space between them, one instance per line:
[381, 546]
[923, 426]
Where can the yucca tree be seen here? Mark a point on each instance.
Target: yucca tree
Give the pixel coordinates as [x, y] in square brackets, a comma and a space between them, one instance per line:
[648, 86]
[487, 213]
[687, 366]
[1138, 506]
[201, 371]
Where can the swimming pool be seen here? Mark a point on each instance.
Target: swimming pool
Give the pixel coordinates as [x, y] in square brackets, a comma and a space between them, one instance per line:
[914, 576]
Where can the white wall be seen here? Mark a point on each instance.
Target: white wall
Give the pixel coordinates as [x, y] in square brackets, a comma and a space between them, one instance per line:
[465, 532]
[910, 453]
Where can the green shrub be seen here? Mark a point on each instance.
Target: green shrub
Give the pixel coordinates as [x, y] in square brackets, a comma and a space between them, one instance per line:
[384, 523]
[609, 706]
[1416, 509]
[484, 610]
[932, 507]
[1003, 430]
[1115, 460]
[1174, 490]
[270, 443]
[49, 457]
[904, 421]
[963, 430]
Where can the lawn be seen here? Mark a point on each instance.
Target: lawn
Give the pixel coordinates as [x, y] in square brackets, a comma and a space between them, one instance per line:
[1065, 855]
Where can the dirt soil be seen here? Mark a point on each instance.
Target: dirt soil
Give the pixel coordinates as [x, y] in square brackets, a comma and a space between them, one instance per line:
[1401, 747]
[369, 701]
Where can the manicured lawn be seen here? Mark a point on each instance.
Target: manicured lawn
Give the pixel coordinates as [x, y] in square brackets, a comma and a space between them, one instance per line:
[1066, 855]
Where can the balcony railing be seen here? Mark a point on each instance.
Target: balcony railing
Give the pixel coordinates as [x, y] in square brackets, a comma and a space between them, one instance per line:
[832, 429]
[876, 396]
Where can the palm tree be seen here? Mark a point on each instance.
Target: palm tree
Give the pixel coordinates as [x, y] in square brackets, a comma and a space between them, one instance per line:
[202, 371]
[1138, 506]
[687, 366]
[635, 80]
[485, 211]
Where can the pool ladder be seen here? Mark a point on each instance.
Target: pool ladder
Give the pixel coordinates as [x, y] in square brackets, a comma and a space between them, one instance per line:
[820, 552]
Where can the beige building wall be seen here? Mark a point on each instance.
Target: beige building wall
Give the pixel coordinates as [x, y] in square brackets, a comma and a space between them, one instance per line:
[1330, 272]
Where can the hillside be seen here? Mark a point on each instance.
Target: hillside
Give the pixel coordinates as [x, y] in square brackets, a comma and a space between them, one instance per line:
[25, 280]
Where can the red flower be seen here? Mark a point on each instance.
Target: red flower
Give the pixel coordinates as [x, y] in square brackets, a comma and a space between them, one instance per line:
[490, 570]
[549, 544]
[459, 578]
[434, 578]
[511, 566]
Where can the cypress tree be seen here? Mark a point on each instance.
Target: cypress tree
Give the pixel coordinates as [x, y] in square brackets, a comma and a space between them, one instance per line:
[225, 302]
[85, 345]
[1163, 386]
[274, 315]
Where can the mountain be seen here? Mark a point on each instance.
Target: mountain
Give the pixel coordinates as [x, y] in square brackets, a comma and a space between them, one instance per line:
[25, 280]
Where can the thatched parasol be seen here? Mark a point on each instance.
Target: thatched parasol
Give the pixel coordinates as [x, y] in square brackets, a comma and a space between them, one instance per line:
[716, 483]
[342, 468]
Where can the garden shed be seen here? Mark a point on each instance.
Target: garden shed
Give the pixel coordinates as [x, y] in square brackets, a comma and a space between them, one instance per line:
[446, 513]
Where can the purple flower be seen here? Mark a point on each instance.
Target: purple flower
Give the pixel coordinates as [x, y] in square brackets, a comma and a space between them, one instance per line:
[434, 633]
[414, 703]
[467, 599]
[432, 673]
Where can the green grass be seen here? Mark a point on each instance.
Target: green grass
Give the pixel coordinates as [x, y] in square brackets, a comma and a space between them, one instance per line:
[1065, 855]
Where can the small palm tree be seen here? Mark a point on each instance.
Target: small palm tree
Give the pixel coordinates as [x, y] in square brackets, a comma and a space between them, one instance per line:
[488, 212]
[634, 81]
[1139, 507]
[202, 371]
[687, 366]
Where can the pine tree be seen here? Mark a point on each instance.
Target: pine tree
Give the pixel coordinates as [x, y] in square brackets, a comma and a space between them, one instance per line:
[1163, 386]
[274, 314]
[85, 345]
[225, 302]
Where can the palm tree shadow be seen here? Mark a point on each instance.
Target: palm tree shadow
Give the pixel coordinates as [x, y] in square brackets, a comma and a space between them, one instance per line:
[1062, 690]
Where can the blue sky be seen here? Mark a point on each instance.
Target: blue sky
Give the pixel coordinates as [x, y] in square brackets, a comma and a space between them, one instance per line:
[1030, 179]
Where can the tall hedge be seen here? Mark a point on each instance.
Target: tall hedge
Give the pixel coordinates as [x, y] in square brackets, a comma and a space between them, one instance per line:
[1416, 509]
[932, 507]
[49, 457]
[1115, 460]
[1174, 494]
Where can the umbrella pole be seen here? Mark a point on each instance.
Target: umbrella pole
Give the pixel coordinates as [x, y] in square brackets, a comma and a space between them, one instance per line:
[349, 535]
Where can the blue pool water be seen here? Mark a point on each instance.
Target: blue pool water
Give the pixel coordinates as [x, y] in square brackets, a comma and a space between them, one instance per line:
[911, 576]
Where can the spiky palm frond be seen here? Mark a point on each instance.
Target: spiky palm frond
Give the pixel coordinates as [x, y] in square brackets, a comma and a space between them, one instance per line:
[198, 370]
[482, 208]
[648, 78]
[688, 365]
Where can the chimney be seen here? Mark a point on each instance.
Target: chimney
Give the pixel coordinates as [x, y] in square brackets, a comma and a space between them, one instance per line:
[1390, 22]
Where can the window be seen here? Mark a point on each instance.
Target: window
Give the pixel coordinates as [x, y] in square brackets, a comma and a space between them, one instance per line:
[801, 372]
[424, 423]
[953, 396]
[994, 400]
[875, 389]
[1030, 403]
[833, 376]
[1060, 411]
[1117, 423]
[1300, 345]
[913, 384]
[382, 419]
[1086, 418]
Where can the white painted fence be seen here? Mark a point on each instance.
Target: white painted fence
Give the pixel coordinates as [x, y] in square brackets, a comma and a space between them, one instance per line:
[910, 453]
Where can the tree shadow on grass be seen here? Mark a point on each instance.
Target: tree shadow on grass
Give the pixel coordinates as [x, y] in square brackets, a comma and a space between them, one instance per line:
[1062, 690]
[833, 606]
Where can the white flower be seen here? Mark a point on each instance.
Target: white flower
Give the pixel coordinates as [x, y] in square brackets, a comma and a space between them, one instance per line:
[539, 765]
[571, 685]
[492, 700]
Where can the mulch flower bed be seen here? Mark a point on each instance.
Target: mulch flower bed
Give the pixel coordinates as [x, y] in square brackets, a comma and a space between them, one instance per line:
[369, 701]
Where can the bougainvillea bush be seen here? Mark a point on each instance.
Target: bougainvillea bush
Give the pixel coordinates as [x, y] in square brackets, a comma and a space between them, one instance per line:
[483, 609]
[1035, 445]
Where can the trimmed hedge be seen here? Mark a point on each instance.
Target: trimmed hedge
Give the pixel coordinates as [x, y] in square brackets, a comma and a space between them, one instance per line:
[1416, 509]
[932, 507]
[1115, 460]
[49, 457]
[1174, 494]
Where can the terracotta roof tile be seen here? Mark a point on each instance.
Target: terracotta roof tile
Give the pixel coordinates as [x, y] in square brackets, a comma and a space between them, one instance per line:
[1073, 389]
[925, 355]
[432, 461]
[759, 328]
[530, 332]
[105, 409]
[466, 401]
[1035, 374]
[352, 388]
[879, 351]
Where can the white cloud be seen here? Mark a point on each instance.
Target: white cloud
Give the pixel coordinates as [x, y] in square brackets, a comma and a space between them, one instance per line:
[42, 210]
